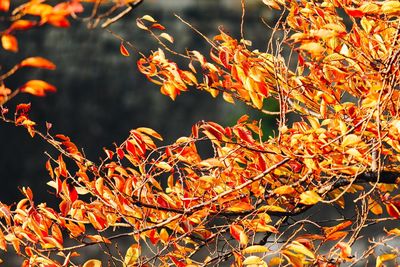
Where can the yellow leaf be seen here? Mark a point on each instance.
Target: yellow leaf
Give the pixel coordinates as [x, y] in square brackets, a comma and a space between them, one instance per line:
[350, 140]
[384, 257]
[164, 165]
[92, 263]
[255, 249]
[309, 198]
[271, 208]
[333, 57]
[148, 18]
[299, 248]
[254, 260]
[284, 190]
[167, 37]
[394, 231]
[390, 7]
[366, 25]
[132, 255]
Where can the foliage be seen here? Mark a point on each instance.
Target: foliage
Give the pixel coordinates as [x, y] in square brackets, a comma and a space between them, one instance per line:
[247, 201]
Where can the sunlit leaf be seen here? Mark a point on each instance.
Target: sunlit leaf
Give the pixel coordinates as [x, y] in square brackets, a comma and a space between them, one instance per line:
[167, 37]
[350, 140]
[132, 255]
[309, 198]
[37, 88]
[149, 18]
[254, 261]
[37, 62]
[299, 248]
[255, 249]
[384, 257]
[313, 48]
[9, 42]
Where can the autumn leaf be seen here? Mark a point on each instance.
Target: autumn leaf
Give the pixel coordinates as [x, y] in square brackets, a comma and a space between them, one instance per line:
[238, 233]
[4, 5]
[384, 257]
[9, 42]
[92, 263]
[37, 88]
[123, 50]
[309, 198]
[167, 37]
[315, 49]
[254, 261]
[132, 255]
[37, 62]
[350, 140]
[272, 3]
[255, 249]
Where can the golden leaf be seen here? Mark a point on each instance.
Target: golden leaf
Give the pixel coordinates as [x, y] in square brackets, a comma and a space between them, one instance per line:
[350, 140]
[254, 261]
[309, 198]
[255, 249]
[299, 248]
[390, 7]
[132, 255]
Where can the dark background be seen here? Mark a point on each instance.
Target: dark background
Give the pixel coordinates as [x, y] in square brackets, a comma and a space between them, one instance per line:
[101, 95]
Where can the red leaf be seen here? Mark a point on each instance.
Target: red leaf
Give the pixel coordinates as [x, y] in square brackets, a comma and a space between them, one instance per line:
[158, 26]
[120, 153]
[109, 153]
[73, 194]
[37, 62]
[355, 13]
[224, 57]
[245, 135]
[37, 88]
[123, 50]
[177, 262]
[393, 210]
[23, 108]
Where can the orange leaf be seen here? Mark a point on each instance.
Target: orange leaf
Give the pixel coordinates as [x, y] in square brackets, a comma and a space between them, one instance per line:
[92, 263]
[9, 42]
[37, 62]
[313, 48]
[37, 88]
[4, 5]
[22, 24]
[57, 20]
[123, 50]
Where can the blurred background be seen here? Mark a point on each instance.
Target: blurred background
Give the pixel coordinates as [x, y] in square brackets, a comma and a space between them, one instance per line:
[101, 95]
